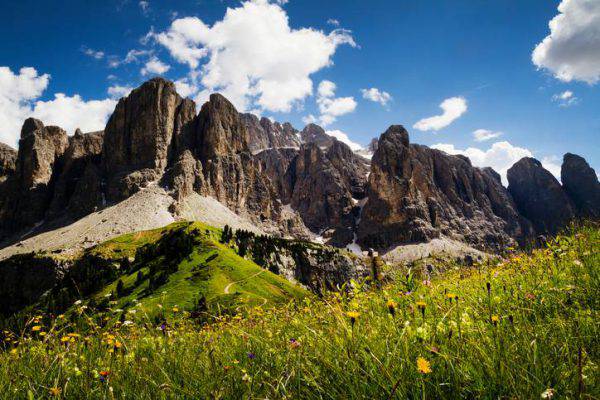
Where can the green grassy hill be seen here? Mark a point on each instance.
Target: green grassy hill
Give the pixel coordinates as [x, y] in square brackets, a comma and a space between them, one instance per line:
[211, 271]
[525, 327]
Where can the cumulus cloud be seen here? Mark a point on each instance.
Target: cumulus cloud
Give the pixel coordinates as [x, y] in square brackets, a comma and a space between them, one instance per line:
[330, 106]
[572, 49]
[343, 137]
[185, 87]
[452, 109]
[72, 112]
[154, 67]
[18, 94]
[481, 135]
[333, 22]
[552, 164]
[253, 56]
[117, 91]
[376, 95]
[500, 156]
[565, 99]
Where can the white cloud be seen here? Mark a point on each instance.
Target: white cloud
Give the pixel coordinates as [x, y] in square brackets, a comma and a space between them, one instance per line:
[253, 56]
[500, 156]
[343, 137]
[72, 112]
[452, 109]
[565, 99]
[333, 22]
[552, 164]
[481, 135]
[117, 91]
[97, 54]
[16, 93]
[186, 88]
[330, 106]
[376, 95]
[309, 119]
[572, 49]
[154, 67]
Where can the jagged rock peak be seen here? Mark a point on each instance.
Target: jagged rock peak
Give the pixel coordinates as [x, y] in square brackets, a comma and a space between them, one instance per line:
[313, 133]
[416, 193]
[141, 135]
[581, 184]
[539, 196]
[31, 125]
[220, 129]
[265, 134]
[8, 159]
[395, 133]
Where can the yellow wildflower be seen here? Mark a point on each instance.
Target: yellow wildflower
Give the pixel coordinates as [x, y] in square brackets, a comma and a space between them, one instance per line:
[423, 366]
[36, 328]
[55, 391]
[495, 319]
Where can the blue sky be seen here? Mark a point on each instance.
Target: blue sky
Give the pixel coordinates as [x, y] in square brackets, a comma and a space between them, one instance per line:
[418, 52]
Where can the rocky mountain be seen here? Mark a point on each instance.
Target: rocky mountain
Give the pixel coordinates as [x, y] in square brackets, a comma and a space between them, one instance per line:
[301, 184]
[581, 184]
[416, 194]
[539, 196]
[313, 133]
[266, 134]
[8, 159]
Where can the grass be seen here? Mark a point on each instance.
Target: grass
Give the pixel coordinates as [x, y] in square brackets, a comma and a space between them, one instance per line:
[207, 272]
[524, 327]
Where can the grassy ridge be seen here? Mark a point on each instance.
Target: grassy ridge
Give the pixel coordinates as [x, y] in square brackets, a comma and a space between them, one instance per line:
[526, 327]
[212, 271]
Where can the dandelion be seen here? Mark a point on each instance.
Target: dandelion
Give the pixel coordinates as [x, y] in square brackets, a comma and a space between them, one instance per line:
[353, 315]
[451, 296]
[423, 366]
[495, 319]
[391, 305]
[36, 328]
[65, 339]
[175, 309]
[54, 391]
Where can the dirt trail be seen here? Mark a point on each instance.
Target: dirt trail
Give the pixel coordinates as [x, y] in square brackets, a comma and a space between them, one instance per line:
[226, 290]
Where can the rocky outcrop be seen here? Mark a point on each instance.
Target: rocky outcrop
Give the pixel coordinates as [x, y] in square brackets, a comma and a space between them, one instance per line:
[581, 184]
[539, 196]
[276, 163]
[313, 133]
[8, 160]
[78, 188]
[141, 134]
[353, 168]
[265, 134]
[416, 193]
[320, 194]
[27, 193]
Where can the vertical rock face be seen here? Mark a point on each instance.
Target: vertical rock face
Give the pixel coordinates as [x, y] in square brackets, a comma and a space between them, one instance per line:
[416, 193]
[539, 196]
[353, 168]
[320, 194]
[276, 163]
[139, 135]
[265, 134]
[78, 189]
[8, 160]
[315, 134]
[219, 129]
[581, 184]
[27, 193]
